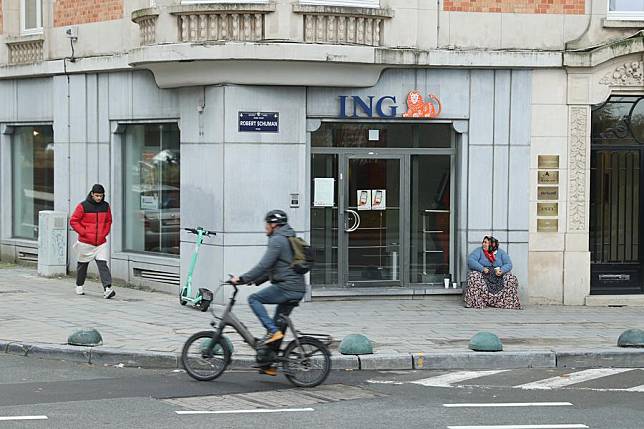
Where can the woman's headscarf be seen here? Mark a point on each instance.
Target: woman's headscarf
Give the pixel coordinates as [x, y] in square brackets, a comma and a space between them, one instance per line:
[493, 246]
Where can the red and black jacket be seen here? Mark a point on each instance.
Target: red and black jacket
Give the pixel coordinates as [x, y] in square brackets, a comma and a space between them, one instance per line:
[92, 221]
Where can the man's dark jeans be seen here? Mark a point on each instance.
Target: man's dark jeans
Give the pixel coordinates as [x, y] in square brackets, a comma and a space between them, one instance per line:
[272, 295]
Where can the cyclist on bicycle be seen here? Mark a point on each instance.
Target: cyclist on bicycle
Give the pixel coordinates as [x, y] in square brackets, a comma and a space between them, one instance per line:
[275, 266]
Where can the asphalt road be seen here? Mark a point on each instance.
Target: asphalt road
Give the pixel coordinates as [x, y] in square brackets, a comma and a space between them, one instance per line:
[59, 394]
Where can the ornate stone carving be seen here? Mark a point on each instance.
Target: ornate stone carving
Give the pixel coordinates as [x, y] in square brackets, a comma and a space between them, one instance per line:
[628, 74]
[577, 169]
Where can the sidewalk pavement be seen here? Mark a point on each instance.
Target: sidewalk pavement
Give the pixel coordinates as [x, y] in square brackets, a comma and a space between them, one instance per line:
[148, 329]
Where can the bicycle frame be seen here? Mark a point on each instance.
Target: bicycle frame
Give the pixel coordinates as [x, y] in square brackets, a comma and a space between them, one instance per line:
[228, 318]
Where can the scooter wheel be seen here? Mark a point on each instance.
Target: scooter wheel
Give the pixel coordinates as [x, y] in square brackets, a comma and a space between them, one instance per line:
[203, 305]
[181, 300]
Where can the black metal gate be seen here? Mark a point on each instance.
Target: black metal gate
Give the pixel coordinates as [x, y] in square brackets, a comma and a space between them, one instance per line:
[616, 200]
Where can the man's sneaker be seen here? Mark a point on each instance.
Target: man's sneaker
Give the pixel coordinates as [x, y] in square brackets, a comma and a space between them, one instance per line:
[275, 336]
[109, 293]
[269, 371]
[79, 290]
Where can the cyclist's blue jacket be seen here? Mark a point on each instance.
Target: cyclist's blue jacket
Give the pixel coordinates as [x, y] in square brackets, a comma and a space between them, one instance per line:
[276, 263]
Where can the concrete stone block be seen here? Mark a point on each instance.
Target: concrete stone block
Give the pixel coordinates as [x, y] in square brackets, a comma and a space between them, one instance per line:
[17, 348]
[545, 277]
[345, 362]
[600, 358]
[484, 360]
[549, 120]
[60, 352]
[576, 277]
[386, 361]
[111, 357]
[549, 86]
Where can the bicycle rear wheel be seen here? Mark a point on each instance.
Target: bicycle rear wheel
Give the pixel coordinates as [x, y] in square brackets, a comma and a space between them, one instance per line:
[308, 364]
[202, 362]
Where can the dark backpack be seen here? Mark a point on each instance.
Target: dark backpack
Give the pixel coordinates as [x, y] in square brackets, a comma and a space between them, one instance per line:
[303, 255]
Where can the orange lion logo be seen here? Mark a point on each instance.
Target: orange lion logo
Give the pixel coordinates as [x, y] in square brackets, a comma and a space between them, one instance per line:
[417, 108]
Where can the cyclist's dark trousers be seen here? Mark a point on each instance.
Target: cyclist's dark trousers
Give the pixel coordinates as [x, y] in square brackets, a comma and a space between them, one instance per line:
[103, 272]
[272, 295]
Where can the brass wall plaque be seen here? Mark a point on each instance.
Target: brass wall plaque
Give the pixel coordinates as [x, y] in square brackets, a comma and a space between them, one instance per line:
[547, 225]
[548, 177]
[548, 161]
[547, 192]
[547, 209]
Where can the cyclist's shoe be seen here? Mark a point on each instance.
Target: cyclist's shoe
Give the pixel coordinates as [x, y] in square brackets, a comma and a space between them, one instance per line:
[272, 371]
[275, 336]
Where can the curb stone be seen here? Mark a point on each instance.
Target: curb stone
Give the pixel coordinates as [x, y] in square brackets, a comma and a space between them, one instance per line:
[603, 358]
[485, 360]
[446, 360]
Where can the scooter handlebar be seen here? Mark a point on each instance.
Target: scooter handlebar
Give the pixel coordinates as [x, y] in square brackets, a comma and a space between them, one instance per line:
[196, 231]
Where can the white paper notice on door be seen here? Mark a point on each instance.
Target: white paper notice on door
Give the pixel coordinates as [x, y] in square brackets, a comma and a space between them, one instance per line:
[378, 199]
[364, 199]
[324, 192]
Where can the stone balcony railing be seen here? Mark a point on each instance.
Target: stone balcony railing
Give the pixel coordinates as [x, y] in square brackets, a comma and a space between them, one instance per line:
[240, 22]
[26, 49]
[147, 20]
[343, 25]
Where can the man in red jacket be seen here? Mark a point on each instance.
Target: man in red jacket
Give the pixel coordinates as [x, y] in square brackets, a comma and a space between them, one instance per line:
[92, 220]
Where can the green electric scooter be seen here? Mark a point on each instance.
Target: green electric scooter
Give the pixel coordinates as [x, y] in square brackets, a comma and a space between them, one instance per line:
[204, 297]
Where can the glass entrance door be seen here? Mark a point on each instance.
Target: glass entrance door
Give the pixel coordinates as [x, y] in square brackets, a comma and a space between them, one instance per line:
[372, 221]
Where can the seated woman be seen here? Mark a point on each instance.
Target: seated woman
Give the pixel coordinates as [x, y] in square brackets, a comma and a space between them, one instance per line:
[490, 282]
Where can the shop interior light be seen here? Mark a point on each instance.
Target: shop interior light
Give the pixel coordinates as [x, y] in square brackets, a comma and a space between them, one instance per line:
[36, 133]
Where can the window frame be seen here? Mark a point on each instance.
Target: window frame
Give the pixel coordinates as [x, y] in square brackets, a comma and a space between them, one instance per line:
[616, 15]
[119, 237]
[23, 22]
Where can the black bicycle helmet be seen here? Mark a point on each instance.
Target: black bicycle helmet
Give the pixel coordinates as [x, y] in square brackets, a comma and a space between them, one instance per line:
[276, 216]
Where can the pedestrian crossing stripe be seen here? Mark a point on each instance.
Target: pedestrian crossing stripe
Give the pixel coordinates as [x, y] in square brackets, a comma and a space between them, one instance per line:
[564, 381]
[447, 380]
[572, 378]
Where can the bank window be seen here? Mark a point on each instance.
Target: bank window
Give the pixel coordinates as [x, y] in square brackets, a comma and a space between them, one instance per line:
[626, 9]
[350, 3]
[32, 159]
[31, 16]
[365, 135]
[151, 164]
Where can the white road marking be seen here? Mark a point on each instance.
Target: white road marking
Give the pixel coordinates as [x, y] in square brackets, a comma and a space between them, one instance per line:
[636, 389]
[572, 378]
[384, 382]
[446, 380]
[7, 418]
[564, 426]
[284, 410]
[510, 404]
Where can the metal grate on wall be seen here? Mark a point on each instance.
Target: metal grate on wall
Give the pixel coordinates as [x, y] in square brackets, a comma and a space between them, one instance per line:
[158, 276]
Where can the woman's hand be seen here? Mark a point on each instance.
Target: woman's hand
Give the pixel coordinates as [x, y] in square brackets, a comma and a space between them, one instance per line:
[486, 270]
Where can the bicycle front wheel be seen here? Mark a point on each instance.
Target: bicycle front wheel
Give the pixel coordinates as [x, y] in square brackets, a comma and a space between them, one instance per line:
[203, 360]
[308, 364]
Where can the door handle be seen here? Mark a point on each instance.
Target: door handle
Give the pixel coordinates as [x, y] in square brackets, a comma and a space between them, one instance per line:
[620, 277]
[355, 225]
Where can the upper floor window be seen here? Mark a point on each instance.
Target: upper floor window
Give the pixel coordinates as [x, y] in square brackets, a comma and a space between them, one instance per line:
[626, 9]
[351, 3]
[30, 16]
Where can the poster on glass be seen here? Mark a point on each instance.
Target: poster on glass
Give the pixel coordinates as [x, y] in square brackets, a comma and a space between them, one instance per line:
[379, 199]
[364, 199]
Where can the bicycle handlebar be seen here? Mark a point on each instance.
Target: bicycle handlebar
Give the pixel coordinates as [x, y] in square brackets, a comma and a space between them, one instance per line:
[197, 229]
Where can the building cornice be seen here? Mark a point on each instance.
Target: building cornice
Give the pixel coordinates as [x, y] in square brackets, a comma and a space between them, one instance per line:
[597, 55]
